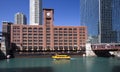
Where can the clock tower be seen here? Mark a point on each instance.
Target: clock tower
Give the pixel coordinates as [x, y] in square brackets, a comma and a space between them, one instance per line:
[48, 16]
[48, 29]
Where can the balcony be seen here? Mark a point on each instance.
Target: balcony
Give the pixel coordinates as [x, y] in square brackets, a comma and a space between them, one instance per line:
[55, 43]
[40, 43]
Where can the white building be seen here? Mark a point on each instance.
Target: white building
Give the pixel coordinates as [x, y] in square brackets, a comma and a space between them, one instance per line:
[20, 18]
[35, 12]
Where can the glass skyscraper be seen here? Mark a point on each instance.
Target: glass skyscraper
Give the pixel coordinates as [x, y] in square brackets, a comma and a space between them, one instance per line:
[106, 33]
[89, 10]
[116, 18]
[100, 18]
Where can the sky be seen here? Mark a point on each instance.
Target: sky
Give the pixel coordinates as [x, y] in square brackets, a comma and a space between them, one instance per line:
[66, 12]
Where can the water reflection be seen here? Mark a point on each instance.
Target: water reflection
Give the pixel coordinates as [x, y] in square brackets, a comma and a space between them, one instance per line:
[61, 62]
[99, 64]
[33, 69]
[81, 64]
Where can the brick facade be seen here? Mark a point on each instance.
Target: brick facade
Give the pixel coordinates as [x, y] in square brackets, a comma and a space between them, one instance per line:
[48, 36]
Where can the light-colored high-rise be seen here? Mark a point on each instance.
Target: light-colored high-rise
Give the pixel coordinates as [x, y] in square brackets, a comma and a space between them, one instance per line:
[35, 12]
[20, 18]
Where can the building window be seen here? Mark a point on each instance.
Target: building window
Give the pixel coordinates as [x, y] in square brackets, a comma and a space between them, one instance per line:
[40, 43]
[40, 29]
[35, 29]
[48, 37]
[40, 34]
[24, 29]
[30, 30]
[55, 40]
[60, 34]
[40, 40]
[30, 35]
[47, 28]
[70, 40]
[75, 43]
[75, 40]
[60, 28]
[70, 28]
[48, 34]
[65, 43]
[65, 34]
[65, 28]
[65, 40]
[75, 34]
[29, 40]
[61, 41]
[74, 29]
[48, 40]
[55, 34]
[55, 29]
[70, 34]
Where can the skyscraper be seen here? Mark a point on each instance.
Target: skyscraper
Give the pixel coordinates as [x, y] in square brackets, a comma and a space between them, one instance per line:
[106, 33]
[20, 18]
[100, 18]
[116, 18]
[89, 16]
[89, 11]
[35, 12]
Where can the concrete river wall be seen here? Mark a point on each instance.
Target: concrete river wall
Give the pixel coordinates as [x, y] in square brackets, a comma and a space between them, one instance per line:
[2, 56]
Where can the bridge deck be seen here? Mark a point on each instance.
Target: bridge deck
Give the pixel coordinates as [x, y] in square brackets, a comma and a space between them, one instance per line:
[110, 47]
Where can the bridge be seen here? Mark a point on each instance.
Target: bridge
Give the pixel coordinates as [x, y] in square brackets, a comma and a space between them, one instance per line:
[106, 46]
[103, 49]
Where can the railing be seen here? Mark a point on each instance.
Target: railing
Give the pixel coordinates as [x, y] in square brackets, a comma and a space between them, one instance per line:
[111, 46]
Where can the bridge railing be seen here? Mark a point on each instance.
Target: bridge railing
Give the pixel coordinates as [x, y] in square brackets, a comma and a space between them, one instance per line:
[105, 47]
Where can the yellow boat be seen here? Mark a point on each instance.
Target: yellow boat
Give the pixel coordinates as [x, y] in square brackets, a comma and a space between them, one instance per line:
[61, 57]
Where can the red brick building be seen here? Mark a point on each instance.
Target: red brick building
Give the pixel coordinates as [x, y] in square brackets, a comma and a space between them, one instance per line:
[48, 36]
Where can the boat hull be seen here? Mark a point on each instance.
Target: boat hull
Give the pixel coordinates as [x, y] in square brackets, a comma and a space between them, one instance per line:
[63, 57]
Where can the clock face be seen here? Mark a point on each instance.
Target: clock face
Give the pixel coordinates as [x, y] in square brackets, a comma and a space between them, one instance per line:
[48, 14]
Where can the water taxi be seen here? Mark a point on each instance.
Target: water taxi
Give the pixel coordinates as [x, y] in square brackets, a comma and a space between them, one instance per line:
[61, 57]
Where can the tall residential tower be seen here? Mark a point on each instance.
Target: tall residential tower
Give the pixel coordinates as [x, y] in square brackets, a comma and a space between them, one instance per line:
[35, 12]
[20, 18]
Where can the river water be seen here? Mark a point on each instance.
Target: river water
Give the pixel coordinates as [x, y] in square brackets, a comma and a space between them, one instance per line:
[81, 64]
